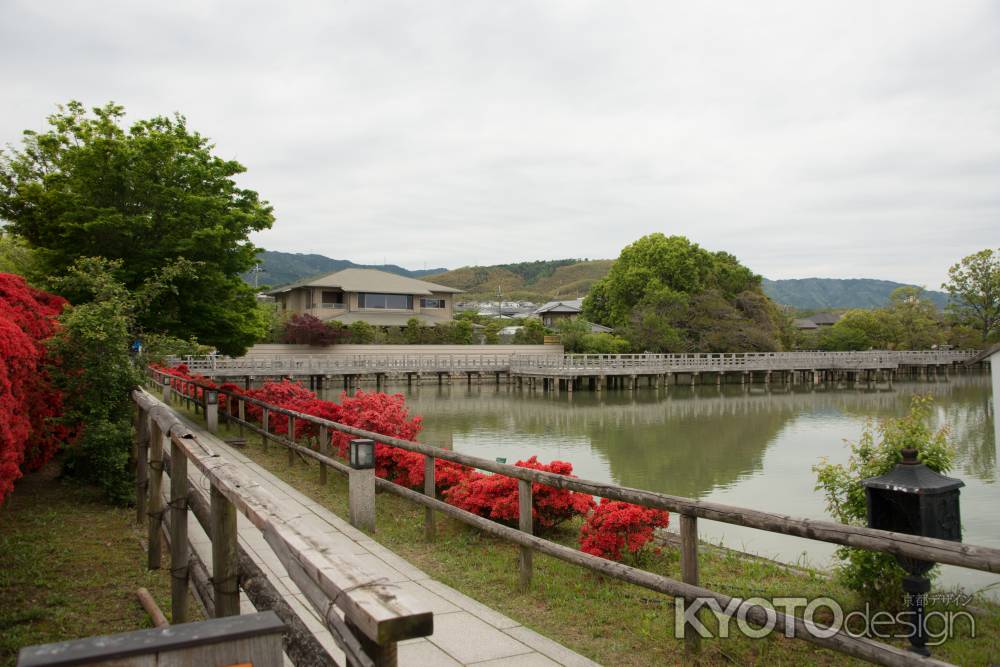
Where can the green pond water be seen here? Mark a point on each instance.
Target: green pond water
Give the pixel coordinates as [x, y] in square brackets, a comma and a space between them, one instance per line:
[747, 446]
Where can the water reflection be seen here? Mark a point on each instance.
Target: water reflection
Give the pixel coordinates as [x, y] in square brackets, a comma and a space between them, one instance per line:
[750, 446]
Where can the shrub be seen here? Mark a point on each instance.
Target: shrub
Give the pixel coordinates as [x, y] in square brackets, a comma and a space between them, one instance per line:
[495, 497]
[29, 403]
[875, 575]
[617, 529]
[308, 329]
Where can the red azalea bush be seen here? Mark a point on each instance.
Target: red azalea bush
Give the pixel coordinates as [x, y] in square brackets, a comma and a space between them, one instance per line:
[495, 496]
[29, 405]
[616, 529]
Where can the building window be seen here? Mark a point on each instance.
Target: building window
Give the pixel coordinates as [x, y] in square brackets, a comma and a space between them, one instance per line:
[386, 301]
[432, 303]
[332, 299]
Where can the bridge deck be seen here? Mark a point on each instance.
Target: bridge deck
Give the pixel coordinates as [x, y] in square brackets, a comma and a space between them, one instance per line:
[466, 632]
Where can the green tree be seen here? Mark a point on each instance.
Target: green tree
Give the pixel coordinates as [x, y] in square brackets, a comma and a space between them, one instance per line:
[659, 264]
[96, 373]
[532, 332]
[974, 285]
[917, 320]
[666, 294]
[148, 195]
[362, 332]
[861, 329]
[16, 256]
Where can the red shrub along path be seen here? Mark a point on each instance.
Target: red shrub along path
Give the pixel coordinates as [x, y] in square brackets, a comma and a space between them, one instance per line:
[616, 529]
[612, 530]
[29, 405]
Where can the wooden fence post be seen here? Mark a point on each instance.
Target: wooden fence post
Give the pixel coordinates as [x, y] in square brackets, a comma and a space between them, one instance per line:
[141, 465]
[243, 414]
[211, 405]
[689, 572]
[265, 419]
[324, 448]
[291, 436]
[524, 523]
[225, 559]
[178, 535]
[430, 530]
[155, 495]
[361, 498]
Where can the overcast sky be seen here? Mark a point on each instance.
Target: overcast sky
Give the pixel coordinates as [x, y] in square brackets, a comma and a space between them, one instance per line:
[840, 139]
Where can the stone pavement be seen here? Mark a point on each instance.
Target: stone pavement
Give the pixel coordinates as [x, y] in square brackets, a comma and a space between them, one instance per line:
[466, 632]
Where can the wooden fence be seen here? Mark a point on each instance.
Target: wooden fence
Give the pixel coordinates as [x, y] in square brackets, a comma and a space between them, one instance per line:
[376, 615]
[689, 510]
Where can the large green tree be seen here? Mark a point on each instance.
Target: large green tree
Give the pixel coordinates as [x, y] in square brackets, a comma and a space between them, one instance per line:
[974, 284]
[667, 294]
[150, 195]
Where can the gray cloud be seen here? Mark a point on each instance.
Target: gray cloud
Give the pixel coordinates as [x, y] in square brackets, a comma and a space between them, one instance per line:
[832, 139]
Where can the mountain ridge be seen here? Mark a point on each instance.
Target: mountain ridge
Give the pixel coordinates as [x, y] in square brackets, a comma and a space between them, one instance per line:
[545, 280]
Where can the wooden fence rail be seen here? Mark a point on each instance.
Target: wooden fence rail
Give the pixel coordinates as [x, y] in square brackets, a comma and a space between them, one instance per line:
[900, 544]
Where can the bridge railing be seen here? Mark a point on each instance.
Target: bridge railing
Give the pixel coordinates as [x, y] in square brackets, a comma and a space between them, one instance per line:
[690, 510]
[570, 363]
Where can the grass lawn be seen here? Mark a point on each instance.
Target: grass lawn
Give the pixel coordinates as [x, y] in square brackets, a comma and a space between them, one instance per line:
[70, 565]
[609, 621]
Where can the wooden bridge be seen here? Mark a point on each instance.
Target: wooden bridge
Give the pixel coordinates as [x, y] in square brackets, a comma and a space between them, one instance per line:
[595, 371]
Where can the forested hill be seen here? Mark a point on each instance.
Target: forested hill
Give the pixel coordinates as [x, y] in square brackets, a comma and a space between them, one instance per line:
[535, 281]
[280, 268]
[571, 278]
[824, 293]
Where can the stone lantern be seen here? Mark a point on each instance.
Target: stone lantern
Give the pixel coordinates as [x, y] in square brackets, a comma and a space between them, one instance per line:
[914, 499]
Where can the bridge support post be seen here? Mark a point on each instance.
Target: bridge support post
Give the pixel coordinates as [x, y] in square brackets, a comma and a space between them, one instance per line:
[225, 559]
[600, 382]
[178, 535]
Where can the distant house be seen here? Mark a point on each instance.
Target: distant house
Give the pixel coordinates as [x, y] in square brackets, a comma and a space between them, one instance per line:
[376, 297]
[824, 319]
[817, 321]
[553, 312]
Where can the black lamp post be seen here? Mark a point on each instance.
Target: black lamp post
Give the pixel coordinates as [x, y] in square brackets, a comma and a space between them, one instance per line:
[914, 499]
[362, 454]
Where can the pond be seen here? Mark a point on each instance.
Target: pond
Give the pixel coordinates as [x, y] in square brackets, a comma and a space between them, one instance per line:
[752, 446]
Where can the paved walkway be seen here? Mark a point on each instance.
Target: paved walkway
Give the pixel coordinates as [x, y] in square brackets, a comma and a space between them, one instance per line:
[465, 631]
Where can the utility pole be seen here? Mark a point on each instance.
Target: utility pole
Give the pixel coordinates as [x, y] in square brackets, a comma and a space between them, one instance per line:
[499, 303]
[256, 271]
